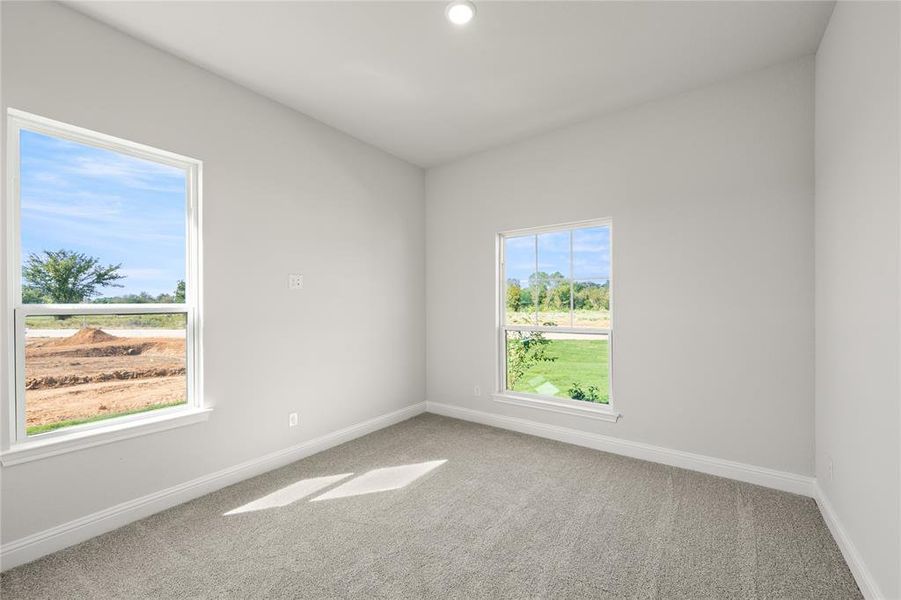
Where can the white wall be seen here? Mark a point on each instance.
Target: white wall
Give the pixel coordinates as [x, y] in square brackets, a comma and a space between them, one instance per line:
[282, 193]
[711, 195]
[857, 268]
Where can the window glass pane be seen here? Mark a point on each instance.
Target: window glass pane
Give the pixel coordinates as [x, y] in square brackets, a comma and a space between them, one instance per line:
[85, 368]
[519, 269]
[591, 253]
[552, 279]
[591, 303]
[99, 225]
[573, 366]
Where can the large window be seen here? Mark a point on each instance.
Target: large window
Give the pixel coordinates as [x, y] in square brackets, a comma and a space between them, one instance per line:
[555, 327]
[103, 279]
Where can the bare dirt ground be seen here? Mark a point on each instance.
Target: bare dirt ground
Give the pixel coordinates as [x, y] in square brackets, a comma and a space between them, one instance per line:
[93, 374]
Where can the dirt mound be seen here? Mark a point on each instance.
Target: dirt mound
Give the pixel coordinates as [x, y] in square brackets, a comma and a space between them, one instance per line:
[164, 347]
[87, 335]
[40, 383]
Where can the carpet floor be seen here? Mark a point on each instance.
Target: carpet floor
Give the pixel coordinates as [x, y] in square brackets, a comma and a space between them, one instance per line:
[439, 508]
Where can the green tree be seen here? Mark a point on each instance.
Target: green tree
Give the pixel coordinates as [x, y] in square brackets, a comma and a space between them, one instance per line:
[599, 298]
[514, 296]
[180, 292]
[66, 277]
[31, 295]
[524, 351]
[558, 297]
[543, 286]
[591, 296]
[525, 299]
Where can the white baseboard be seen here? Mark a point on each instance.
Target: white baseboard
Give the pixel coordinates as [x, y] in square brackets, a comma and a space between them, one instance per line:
[780, 480]
[868, 586]
[56, 538]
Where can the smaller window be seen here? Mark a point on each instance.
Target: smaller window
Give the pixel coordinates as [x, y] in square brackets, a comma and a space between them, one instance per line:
[556, 331]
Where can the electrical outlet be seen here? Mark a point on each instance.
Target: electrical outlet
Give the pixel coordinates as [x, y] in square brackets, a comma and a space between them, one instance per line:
[476, 391]
[292, 420]
[830, 469]
[295, 281]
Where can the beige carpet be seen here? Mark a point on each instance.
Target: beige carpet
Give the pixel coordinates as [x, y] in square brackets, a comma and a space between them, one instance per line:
[505, 516]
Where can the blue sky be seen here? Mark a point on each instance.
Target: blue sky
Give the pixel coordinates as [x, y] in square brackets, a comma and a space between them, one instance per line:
[106, 204]
[591, 254]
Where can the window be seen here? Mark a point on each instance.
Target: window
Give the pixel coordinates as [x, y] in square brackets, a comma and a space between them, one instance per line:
[103, 280]
[555, 322]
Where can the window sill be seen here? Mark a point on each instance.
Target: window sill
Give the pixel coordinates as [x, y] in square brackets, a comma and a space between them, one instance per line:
[590, 410]
[78, 440]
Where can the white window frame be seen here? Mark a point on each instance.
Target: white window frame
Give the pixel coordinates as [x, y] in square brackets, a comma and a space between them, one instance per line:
[593, 410]
[20, 446]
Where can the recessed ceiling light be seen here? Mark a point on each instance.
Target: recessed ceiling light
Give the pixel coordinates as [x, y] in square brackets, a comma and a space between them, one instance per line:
[460, 12]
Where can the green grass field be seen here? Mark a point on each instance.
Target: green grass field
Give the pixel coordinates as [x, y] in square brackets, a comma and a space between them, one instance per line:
[137, 321]
[36, 429]
[585, 362]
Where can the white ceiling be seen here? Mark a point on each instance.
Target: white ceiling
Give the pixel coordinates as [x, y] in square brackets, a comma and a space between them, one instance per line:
[399, 76]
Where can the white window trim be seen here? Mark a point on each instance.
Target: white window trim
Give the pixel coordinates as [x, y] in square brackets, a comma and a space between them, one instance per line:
[18, 447]
[79, 439]
[579, 408]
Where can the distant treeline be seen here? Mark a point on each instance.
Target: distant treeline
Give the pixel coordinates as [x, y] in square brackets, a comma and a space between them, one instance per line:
[553, 292]
[177, 297]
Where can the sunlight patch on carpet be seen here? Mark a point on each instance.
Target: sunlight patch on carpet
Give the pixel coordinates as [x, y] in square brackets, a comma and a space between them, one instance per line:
[381, 480]
[289, 494]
